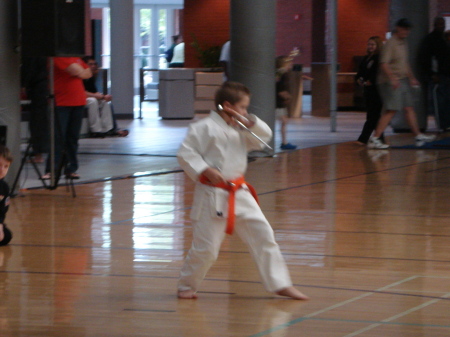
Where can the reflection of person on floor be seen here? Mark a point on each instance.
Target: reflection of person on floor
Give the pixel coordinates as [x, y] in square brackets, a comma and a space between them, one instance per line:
[35, 82]
[5, 162]
[100, 115]
[214, 155]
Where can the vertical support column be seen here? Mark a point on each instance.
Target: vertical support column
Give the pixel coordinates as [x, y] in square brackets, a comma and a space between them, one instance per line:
[10, 80]
[333, 55]
[253, 28]
[320, 68]
[122, 69]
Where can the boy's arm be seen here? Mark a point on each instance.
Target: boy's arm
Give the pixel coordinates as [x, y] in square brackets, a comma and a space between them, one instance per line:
[189, 157]
[261, 129]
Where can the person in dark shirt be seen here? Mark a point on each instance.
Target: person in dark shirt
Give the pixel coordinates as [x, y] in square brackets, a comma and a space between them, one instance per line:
[367, 78]
[283, 97]
[169, 52]
[5, 162]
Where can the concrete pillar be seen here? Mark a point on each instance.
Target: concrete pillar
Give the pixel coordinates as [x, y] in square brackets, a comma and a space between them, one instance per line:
[253, 28]
[10, 81]
[122, 47]
[320, 65]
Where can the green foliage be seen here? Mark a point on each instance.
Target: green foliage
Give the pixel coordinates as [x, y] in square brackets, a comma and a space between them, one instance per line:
[208, 55]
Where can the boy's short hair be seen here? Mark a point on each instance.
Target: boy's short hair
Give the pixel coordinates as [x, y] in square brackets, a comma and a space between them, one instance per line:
[5, 153]
[231, 92]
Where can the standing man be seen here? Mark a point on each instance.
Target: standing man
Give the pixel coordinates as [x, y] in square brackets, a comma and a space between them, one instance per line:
[396, 81]
[435, 71]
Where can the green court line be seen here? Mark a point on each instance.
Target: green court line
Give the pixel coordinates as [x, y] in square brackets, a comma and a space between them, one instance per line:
[302, 319]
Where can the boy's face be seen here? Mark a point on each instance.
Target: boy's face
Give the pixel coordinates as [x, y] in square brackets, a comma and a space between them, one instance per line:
[4, 167]
[240, 106]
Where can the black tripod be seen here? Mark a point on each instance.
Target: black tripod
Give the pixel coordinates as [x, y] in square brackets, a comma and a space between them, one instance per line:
[28, 157]
[55, 126]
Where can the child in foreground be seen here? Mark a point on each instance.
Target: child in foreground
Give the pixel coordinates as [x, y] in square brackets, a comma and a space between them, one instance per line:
[214, 155]
[5, 162]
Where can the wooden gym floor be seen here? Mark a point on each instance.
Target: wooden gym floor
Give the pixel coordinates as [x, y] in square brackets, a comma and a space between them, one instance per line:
[365, 234]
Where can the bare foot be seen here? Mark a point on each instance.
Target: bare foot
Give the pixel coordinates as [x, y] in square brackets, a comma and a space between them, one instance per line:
[2, 234]
[187, 294]
[293, 293]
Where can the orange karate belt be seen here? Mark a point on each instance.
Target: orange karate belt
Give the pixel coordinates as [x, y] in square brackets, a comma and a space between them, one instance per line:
[231, 186]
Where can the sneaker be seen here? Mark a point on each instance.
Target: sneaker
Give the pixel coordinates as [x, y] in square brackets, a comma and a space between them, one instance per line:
[288, 146]
[425, 138]
[376, 143]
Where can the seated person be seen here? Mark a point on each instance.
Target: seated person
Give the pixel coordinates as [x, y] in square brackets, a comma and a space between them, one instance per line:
[178, 55]
[100, 116]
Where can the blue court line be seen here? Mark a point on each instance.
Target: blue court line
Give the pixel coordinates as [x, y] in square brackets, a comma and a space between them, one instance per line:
[302, 319]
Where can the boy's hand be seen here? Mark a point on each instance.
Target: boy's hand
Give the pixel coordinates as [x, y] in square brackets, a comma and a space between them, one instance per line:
[234, 115]
[214, 176]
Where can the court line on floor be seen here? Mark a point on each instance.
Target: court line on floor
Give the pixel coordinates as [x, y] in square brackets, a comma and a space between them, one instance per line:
[232, 252]
[351, 176]
[427, 235]
[334, 306]
[404, 313]
[220, 280]
[128, 154]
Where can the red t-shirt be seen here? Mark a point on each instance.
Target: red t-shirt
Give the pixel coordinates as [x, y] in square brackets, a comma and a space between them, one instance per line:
[69, 90]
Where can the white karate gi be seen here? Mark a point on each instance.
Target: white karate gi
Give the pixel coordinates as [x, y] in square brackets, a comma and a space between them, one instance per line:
[211, 142]
[99, 115]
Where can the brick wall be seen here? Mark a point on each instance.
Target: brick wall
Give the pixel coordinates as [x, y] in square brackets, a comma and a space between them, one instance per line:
[209, 21]
[357, 21]
[443, 6]
[294, 19]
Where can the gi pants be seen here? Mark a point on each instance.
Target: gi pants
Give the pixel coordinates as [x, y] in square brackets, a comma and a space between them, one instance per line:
[209, 232]
[99, 115]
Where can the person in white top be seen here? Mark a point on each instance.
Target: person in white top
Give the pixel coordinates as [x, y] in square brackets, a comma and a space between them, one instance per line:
[178, 55]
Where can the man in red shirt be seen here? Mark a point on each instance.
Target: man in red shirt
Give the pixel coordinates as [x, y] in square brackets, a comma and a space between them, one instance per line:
[70, 99]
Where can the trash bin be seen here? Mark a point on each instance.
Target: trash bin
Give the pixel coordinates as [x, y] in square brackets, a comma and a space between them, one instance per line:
[176, 93]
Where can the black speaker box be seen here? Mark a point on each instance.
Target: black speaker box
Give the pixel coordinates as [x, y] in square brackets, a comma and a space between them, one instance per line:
[53, 27]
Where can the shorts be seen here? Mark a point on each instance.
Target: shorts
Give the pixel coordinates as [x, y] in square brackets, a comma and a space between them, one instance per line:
[281, 112]
[396, 99]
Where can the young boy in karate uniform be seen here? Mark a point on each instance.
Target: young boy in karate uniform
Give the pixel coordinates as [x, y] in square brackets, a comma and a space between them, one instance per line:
[214, 155]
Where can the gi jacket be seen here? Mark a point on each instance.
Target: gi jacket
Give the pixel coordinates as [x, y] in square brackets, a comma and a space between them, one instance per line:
[211, 142]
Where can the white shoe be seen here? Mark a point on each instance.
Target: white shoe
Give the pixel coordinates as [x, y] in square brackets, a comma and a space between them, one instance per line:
[376, 143]
[425, 138]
